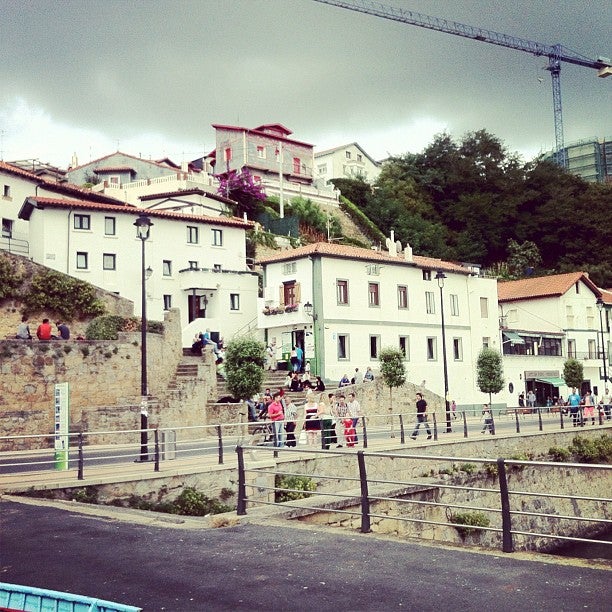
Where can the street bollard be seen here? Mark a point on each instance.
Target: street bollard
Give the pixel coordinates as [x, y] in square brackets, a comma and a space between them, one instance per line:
[220, 444]
[81, 461]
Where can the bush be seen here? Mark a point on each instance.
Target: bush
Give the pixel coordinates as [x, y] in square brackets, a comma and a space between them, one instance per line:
[478, 519]
[302, 484]
[469, 468]
[559, 454]
[586, 450]
[107, 327]
[192, 502]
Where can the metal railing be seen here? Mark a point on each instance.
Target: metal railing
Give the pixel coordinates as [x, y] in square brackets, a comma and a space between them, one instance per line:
[507, 513]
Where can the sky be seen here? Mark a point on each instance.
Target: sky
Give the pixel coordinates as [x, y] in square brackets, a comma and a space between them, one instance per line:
[149, 77]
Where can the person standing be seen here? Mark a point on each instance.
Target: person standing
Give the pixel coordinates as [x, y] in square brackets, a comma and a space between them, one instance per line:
[340, 413]
[606, 400]
[277, 416]
[421, 407]
[488, 419]
[312, 424]
[589, 407]
[531, 399]
[299, 353]
[291, 414]
[23, 330]
[355, 412]
[324, 413]
[358, 378]
[64, 330]
[454, 409]
[44, 330]
[521, 400]
[573, 401]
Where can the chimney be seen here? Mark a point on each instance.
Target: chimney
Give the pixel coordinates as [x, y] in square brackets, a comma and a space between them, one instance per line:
[74, 162]
[408, 253]
[184, 167]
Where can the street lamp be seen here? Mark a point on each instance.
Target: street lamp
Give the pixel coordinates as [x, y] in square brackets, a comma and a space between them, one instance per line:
[440, 276]
[143, 229]
[600, 306]
[310, 311]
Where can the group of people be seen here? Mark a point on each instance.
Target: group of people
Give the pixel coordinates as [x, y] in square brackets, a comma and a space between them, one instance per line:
[299, 382]
[357, 378]
[575, 405]
[44, 331]
[203, 339]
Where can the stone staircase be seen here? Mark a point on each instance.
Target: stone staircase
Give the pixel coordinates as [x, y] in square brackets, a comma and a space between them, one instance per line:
[187, 369]
[272, 381]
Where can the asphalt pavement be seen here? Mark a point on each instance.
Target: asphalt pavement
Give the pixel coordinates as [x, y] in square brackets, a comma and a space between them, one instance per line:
[179, 565]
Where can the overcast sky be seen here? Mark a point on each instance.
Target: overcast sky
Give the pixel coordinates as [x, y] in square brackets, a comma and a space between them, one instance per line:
[149, 77]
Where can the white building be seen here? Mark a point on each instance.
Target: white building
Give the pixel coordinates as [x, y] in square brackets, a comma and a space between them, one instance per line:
[363, 300]
[546, 320]
[347, 161]
[198, 262]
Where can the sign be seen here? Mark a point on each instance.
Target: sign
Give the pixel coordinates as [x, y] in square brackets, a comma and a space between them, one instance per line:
[62, 402]
[532, 374]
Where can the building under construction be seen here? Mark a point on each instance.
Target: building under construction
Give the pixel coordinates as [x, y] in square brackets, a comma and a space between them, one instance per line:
[590, 159]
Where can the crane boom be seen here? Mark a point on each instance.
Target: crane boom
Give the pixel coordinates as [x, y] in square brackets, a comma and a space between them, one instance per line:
[555, 53]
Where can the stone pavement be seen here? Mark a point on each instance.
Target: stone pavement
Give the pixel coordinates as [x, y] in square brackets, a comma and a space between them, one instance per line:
[176, 564]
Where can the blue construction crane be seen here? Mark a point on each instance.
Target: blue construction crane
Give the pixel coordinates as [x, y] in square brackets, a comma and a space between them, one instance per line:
[555, 53]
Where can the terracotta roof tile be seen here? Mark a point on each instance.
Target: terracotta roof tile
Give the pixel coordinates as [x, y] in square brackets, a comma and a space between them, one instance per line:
[134, 210]
[18, 171]
[350, 252]
[542, 286]
[105, 169]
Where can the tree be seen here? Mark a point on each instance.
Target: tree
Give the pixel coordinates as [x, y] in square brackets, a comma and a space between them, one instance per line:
[573, 373]
[523, 258]
[393, 372]
[242, 188]
[244, 362]
[490, 372]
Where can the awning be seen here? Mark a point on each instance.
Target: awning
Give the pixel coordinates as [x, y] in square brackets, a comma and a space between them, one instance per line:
[555, 381]
[513, 338]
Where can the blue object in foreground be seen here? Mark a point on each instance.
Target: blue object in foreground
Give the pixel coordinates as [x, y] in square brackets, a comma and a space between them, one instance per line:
[14, 597]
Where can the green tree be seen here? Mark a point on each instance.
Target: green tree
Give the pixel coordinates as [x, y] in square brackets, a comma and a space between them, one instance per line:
[573, 373]
[244, 361]
[490, 372]
[393, 372]
[523, 258]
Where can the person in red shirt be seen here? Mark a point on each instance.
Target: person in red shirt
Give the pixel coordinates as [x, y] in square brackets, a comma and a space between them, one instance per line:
[44, 330]
[277, 415]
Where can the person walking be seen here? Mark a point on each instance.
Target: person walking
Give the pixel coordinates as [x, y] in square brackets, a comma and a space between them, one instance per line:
[421, 407]
[488, 419]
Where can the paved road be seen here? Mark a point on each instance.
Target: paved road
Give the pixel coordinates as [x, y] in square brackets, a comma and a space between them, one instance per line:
[274, 567]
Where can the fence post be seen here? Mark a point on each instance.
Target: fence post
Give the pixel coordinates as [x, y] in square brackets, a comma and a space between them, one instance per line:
[156, 449]
[435, 426]
[518, 424]
[492, 423]
[220, 443]
[365, 432]
[507, 543]
[365, 500]
[561, 417]
[465, 429]
[241, 505]
[80, 468]
[540, 419]
[402, 433]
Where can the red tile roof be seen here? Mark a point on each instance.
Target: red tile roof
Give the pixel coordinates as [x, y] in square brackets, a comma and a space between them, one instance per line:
[19, 172]
[39, 202]
[105, 169]
[542, 286]
[258, 132]
[329, 249]
[140, 159]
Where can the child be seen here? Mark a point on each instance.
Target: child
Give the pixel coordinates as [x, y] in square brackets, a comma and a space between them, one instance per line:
[349, 432]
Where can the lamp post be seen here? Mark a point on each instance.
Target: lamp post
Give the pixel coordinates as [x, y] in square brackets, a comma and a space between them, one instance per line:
[143, 229]
[600, 306]
[440, 276]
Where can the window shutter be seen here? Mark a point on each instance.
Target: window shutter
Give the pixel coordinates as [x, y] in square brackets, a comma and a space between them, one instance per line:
[281, 297]
[298, 293]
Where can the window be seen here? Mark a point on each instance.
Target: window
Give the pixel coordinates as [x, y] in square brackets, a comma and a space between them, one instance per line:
[114, 180]
[373, 296]
[404, 346]
[216, 267]
[81, 261]
[6, 192]
[342, 291]
[82, 222]
[166, 268]
[227, 154]
[109, 226]
[290, 293]
[430, 302]
[454, 304]
[348, 154]
[193, 234]
[484, 307]
[486, 342]
[193, 265]
[571, 349]
[359, 157]
[297, 165]
[592, 349]
[569, 314]
[457, 349]
[590, 318]
[343, 346]
[234, 301]
[7, 228]
[577, 286]
[290, 268]
[217, 237]
[322, 169]
[374, 347]
[402, 296]
[109, 261]
[167, 302]
[427, 275]
[431, 349]
[261, 152]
